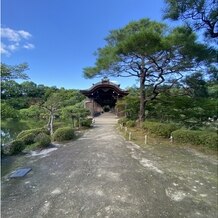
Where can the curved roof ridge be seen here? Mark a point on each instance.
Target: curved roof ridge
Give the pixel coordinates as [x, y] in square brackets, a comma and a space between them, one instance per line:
[104, 82]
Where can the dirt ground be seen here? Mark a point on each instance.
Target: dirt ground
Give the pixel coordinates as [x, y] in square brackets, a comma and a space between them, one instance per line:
[102, 175]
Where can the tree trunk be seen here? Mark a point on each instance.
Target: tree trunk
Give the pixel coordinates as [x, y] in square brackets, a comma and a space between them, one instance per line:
[48, 124]
[142, 98]
[51, 124]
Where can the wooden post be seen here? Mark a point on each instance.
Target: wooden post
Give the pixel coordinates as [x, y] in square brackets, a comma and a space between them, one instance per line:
[130, 136]
[171, 139]
[146, 139]
[126, 130]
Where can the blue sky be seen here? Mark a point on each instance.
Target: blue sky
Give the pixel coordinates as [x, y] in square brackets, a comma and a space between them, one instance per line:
[57, 38]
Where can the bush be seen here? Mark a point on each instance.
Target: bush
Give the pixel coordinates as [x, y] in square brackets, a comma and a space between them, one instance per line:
[207, 139]
[15, 147]
[31, 139]
[42, 140]
[160, 129]
[123, 120]
[86, 122]
[63, 134]
[27, 138]
[31, 131]
[130, 123]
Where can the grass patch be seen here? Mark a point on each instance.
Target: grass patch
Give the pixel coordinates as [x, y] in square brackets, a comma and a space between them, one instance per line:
[138, 137]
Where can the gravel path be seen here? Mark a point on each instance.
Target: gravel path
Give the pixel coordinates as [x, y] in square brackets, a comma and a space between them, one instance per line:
[102, 175]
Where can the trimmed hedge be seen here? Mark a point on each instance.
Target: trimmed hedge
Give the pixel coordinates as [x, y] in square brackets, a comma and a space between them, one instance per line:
[32, 131]
[160, 129]
[28, 140]
[86, 122]
[194, 137]
[42, 140]
[64, 134]
[14, 147]
[32, 136]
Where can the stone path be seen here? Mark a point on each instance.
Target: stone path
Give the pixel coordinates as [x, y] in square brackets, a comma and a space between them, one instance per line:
[102, 175]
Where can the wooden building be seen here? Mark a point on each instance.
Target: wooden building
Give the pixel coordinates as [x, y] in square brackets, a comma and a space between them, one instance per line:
[102, 97]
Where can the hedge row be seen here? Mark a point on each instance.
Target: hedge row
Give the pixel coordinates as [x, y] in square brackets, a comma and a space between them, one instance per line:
[86, 122]
[33, 138]
[160, 129]
[194, 137]
[64, 134]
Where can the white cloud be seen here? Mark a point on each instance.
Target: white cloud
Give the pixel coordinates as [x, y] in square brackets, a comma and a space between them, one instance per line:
[13, 47]
[29, 46]
[24, 34]
[12, 40]
[4, 49]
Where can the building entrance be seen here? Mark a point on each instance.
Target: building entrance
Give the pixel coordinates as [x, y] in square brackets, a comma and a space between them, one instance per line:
[102, 96]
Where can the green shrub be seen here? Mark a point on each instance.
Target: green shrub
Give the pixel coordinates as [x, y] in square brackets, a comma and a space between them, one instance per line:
[27, 138]
[130, 123]
[58, 125]
[86, 122]
[123, 120]
[160, 129]
[14, 147]
[208, 139]
[32, 138]
[42, 140]
[31, 131]
[63, 134]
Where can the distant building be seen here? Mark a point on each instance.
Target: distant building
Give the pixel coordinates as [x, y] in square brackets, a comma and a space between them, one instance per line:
[102, 97]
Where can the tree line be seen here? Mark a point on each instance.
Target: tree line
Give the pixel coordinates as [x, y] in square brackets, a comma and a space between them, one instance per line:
[28, 100]
[161, 57]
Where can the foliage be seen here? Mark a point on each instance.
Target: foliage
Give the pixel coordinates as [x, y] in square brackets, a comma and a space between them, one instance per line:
[42, 140]
[151, 52]
[31, 131]
[75, 113]
[199, 15]
[30, 89]
[14, 147]
[196, 85]
[86, 122]
[10, 89]
[129, 105]
[207, 139]
[130, 123]
[33, 138]
[180, 108]
[52, 106]
[33, 112]
[123, 121]
[28, 138]
[160, 129]
[13, 72]
[63, 134]
[8, 112]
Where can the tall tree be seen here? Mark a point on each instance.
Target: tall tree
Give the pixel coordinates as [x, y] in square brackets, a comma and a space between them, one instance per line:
[13, 72]
[196, 85]
[52, 106]
[151, 52]
[198, 14]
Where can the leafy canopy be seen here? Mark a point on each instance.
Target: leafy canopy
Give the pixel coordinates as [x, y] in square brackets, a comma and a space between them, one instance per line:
[13, 72]
[148, 46]
[197, 14]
